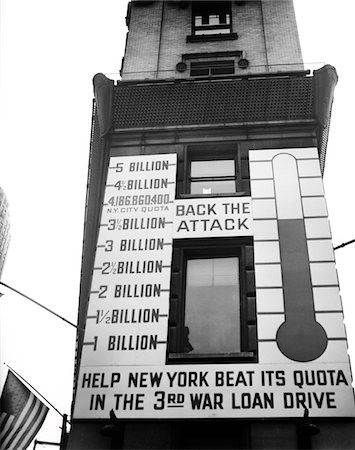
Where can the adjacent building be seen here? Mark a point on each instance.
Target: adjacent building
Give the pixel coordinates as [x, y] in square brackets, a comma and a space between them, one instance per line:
[4, 229]
[209, 313]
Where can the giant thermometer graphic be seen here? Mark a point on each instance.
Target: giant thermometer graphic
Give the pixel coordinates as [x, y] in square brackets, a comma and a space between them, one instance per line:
[300, 337]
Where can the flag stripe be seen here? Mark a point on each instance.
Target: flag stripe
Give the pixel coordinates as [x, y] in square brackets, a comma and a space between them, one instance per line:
[36, 425]
[27, 430]
[22, 426]
[22, 415]
[30, 428]
[5, 425]
[29, 425]
[18, 423]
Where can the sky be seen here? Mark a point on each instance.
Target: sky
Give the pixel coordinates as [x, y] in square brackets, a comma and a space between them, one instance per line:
[50, 51]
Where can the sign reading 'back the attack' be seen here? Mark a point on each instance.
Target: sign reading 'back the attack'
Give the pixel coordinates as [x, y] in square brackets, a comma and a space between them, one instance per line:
[213, 217]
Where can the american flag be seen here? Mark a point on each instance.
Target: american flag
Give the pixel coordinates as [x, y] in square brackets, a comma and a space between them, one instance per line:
[22, 415]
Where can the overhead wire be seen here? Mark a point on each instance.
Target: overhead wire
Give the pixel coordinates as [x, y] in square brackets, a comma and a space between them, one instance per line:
[344, 244]
[39, 304]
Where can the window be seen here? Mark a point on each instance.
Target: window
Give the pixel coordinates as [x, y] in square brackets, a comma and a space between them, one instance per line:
[214, 176]
[212, 18]
[211, 21]
[211, 299]
[214, 169]
[212, 304]
[208, 68]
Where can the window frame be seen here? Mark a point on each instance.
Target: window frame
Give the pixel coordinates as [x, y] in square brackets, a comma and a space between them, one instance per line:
[186, 249]
[225, 67]
[206, 8]
[213, 6]
[215, 151]
[234, 177]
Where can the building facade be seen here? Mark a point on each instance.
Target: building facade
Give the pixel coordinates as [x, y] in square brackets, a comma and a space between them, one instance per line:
[209, 313]
[4, 229]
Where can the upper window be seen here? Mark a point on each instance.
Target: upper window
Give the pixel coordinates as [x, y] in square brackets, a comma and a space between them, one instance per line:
[214, 176]
[214, 169]
[209, 68]
[212, 18]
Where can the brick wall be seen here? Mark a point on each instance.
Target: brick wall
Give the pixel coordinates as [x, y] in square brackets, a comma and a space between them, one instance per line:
[141, 56]
[154, 50]
[280, 22]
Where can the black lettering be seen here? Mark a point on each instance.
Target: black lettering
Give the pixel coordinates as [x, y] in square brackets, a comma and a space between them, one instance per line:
[97, 402]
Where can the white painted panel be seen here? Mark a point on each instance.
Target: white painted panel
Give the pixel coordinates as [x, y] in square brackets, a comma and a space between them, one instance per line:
[268, 324]
[287, 190]
[336, 352]
[311, 186]
[317, 227]
[323, 274]
[127, 280]
[264, 209]
[327, 299]
[265, 154]
[269, 353]
[309, 168]
[321, 250]
[260, 170]
[314, 207]
[266, 252]
[215, 391]
[269, 300]
[265, 229]
[262, 188]
[268, 275]
[333, 323]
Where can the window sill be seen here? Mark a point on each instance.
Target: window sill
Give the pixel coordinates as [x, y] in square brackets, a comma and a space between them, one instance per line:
[211, 358]
[212, 37]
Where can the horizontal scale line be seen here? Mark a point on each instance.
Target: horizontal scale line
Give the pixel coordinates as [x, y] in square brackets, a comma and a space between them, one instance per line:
[266, 240]
[264, 218]
[268, 287]
[267, 263]
[264, 198]
[336, 338]
[313, 196]
[325, 285]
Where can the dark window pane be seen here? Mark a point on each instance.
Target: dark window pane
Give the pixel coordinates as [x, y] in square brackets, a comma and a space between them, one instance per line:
[223, 68]
[212, 68]
[199, 71]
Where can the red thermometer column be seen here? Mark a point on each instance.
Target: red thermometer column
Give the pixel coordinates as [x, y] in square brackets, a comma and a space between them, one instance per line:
[300, 337]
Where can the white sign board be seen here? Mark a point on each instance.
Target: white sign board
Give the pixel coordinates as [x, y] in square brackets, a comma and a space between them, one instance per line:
[215, 391]
[213, 217]
[123, 364]
[129, 301]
